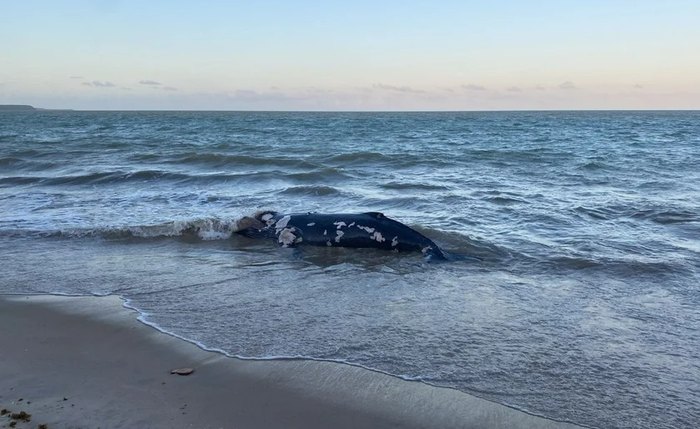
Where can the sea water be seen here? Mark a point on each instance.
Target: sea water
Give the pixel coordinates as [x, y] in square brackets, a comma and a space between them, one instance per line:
[583, 304]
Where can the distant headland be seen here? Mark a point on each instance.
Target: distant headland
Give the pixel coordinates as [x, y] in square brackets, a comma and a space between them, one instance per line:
[22, 108]
[13, 107]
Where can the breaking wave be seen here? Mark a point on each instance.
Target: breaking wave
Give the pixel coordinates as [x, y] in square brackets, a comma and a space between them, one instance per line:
[199, 229]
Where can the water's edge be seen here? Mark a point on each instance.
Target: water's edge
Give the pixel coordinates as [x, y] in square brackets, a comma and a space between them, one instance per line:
[142, 317]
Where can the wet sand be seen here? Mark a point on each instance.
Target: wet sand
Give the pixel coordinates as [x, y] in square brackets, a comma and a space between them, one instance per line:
[86, 362]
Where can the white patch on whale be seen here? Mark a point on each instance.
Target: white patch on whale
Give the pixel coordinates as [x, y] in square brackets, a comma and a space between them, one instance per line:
[378, 236]
[366, 228]
[282, 223]
[339, 224]
[395, 241]
[338, 235]
[311, 224]
[325, 232]
[268, 218]
[286, 237]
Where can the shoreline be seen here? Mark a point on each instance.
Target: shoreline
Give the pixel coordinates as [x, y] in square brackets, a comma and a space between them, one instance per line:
[86, 361]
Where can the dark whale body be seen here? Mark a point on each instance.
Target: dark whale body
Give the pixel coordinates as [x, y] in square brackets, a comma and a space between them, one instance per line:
[362, 230]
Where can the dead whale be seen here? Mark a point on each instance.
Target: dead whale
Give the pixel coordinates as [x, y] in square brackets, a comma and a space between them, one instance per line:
[363, 230]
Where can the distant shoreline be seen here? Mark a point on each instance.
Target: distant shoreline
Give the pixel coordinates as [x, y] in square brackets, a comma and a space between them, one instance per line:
[16, 107]
[25, 108]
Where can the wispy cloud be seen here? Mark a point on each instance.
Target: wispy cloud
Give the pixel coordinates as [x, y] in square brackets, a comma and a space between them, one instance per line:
[567, 85]
[75, 77]
[395, 88]
[514, 89]
[638, 86]
[99, 84]
[154, 84]
[473, 87]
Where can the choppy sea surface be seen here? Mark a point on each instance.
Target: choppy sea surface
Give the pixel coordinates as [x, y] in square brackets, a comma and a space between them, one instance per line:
[584, 307]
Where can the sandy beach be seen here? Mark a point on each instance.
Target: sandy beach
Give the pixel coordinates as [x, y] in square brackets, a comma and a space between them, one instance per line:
[86, 362]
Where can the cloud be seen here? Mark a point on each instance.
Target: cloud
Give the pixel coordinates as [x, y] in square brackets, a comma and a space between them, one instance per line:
[567, 85]
[75, 77]
[514, 89]
[103, 84]
[540, 88]
[638, 86]
[406, 89]
[156, 85]
[99, 84]
[472, 87]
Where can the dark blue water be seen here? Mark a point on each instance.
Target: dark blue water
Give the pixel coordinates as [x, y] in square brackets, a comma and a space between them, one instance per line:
[585, 306]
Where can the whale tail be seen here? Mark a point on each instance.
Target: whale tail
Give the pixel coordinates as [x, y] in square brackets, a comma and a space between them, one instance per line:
[433, 253]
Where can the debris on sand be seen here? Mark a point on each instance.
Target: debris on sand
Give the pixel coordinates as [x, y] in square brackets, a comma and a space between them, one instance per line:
[24, 416]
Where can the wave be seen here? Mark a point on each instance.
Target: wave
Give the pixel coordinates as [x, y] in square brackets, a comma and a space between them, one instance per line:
[505, 201]
[360, 157]
[94, 178]
[223, 160]
[667, 216]
[508, 156]
[112, 177]
[414, 186]
[394, 160]
[660, 215]
[206, 229]
[10, 161]
[8, 136]
[16, 163]
[310, 190]
[594, 166]
[324, 174]
[626, 267]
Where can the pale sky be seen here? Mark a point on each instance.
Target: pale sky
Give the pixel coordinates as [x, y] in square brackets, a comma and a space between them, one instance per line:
[351, 55]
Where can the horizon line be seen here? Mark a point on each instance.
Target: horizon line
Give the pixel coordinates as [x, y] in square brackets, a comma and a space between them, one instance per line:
[34, 109]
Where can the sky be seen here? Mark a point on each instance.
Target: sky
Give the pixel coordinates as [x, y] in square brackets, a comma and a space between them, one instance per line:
[351, 55]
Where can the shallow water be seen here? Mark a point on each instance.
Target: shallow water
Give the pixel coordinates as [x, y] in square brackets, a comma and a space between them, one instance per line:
[585, 305]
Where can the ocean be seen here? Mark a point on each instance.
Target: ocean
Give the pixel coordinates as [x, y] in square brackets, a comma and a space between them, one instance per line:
[577, 299]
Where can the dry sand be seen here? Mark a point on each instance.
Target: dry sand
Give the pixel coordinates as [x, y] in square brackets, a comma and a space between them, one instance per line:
[86, 362]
